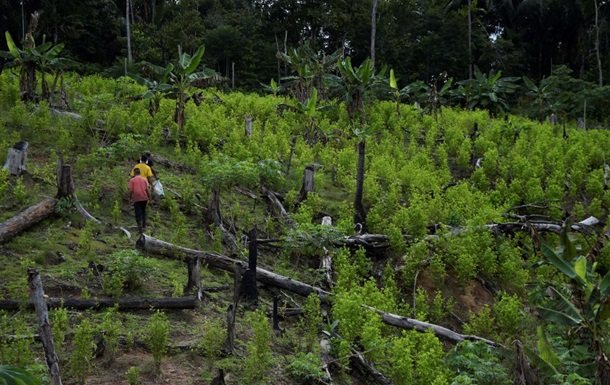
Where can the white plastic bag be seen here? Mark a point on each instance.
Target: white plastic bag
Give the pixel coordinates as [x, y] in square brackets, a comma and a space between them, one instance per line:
[158, 188]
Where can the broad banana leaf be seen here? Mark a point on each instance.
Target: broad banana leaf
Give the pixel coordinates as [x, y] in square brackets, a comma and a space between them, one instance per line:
[12, 47]
[580, 266]
[545, 350]
[393, 83]
[558, 261]
[564, 312]
[10, 375]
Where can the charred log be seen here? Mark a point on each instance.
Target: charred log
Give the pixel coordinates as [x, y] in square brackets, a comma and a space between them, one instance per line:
[222, 262]
[99, 303]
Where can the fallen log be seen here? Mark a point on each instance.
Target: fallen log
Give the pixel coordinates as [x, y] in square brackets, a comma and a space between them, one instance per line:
[26, 219]
[369, 369]
[171, 164]
[277, 206]
[99, 303]
[222, 262]
[439, 331]
[381, 241]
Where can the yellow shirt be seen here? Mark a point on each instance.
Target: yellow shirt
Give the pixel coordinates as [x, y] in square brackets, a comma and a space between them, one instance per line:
[145, 171]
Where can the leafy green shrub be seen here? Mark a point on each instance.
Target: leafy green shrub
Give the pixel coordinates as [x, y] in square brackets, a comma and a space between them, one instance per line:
[84, 252]
[158, 333]
[20, 192]
[509, 317]
[81, 359]
[133, 375]
[60, 323]
[478, 363]
[111, 327]
[417, 359]
[4, 182]
[259, 358]
[481, 323]
[306, 368]
[133, 267]
[213, 339]
[15, 351]
[310, 323]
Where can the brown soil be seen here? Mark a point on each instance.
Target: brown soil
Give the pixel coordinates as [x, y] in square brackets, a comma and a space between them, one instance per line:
[182, 369]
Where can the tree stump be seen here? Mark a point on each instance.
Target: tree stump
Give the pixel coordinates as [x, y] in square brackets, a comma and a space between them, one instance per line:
[248, 126]
[194, 277]
[17, 155]
[308, 185]
[250, 290]
[213, 213]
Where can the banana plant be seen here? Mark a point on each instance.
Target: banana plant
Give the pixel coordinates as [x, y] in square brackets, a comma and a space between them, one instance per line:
[183, 76]
[10, 375]
[311, 70]
[545, 97]
[309, 110]
[157, 85]
[31, 59]
[357, 86]
[487, 91]
[582, 307]
[395, 91]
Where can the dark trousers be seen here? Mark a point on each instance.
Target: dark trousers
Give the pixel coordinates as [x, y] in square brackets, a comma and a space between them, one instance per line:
[140, 208]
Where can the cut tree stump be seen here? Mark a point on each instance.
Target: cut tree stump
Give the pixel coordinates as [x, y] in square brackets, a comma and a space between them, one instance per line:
[250, 291]
[222, 262]
[99, 303]
[17, 155]
[308, 182]
[194, 277]
[248, 126]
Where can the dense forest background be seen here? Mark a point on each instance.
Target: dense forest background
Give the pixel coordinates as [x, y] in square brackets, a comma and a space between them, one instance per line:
[419, 39]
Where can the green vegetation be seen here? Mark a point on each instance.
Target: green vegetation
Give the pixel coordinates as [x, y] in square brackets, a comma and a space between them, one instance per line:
[472, 224]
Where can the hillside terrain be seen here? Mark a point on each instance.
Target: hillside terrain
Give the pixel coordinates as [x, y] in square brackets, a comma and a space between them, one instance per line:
[474, 225]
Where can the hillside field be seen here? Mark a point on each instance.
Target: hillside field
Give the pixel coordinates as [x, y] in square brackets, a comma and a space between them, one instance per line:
[471, 224]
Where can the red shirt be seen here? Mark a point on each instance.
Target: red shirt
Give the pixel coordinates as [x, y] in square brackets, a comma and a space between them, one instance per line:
[138, 187]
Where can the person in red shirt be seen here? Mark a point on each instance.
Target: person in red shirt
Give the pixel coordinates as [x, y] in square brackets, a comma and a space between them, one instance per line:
[139, 195]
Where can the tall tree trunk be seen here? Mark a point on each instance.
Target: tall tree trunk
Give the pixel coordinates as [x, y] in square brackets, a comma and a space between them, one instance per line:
[373, 31]
[469, 39]
[127, 26]
[597, 53]
[360, 216]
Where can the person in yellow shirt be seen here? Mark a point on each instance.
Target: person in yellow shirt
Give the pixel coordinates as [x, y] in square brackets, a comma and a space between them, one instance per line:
[145, 171]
